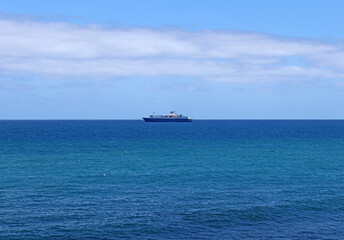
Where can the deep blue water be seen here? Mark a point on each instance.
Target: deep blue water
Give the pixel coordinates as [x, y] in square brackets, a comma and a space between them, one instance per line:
[199, 180]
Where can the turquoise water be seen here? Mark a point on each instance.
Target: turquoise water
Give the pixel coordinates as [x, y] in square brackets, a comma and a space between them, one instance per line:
[199, 180]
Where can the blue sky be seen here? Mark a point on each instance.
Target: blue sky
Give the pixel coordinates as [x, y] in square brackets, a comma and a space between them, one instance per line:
[208, 59]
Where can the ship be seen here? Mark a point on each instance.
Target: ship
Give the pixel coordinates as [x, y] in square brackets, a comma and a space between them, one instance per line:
[172, 117]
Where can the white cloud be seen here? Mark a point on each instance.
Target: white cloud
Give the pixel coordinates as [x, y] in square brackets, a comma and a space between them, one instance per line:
[67, 50]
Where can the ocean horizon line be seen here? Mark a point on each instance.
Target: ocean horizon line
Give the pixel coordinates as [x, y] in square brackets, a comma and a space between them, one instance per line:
[197, 119]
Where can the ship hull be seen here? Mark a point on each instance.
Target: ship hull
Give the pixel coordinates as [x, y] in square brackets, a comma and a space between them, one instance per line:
[166, 120]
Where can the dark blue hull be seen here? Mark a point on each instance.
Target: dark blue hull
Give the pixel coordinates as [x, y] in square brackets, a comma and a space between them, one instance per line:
[166, 120]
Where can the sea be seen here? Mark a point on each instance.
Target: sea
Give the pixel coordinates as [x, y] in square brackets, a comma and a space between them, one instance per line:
[208, 179]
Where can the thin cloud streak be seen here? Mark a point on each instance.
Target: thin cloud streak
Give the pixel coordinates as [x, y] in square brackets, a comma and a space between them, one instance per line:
[68, 50]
